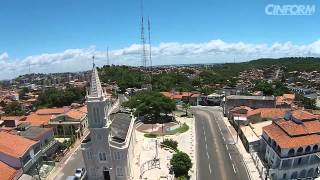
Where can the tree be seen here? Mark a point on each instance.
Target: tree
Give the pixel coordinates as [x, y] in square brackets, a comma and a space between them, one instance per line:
[58, 98]
[150, 103]
[186, 107]
[306, 102]
[180, 164]
[23, 92]
[14, 109]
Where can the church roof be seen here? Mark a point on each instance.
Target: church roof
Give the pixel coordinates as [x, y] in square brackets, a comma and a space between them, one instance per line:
[95, 86]
[120, 125]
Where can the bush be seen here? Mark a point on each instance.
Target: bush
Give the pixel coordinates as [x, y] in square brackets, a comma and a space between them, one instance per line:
[180, 164]
[150, 135]
[170, 143]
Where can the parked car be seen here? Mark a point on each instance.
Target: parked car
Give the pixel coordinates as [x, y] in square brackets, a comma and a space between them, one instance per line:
[79, 173]
[71, 178]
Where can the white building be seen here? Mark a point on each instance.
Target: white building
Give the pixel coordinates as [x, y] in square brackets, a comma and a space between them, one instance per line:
[291, 146]
[108, 150]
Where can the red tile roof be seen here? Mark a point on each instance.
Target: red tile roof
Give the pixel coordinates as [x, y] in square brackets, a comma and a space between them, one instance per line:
[52, 111]
[7, 172]
[176, 95]
[14, 145]
[268, 113]
[16, 118]
[38, 120]
[285, 141]
[303, 115]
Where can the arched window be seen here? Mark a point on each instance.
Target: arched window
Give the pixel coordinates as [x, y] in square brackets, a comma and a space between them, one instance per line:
[303, 173]
[291, 152]
[310, 172]
[274, 144]
[315, 148]
[308, 149]
[294, 175]
[300, 150]
[284, 176]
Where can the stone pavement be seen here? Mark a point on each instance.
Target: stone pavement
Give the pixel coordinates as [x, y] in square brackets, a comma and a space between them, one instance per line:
[247, 158]
[145, 150]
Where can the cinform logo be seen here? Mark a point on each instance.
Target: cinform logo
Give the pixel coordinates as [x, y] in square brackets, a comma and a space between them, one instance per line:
[290, 10]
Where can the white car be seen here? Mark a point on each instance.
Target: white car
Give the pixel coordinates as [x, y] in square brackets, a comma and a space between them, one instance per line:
[79, 173]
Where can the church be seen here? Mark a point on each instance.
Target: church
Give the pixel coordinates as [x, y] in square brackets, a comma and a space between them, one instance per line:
[108, 151]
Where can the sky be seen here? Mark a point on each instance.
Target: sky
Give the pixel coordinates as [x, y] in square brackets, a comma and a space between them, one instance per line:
[63, 35]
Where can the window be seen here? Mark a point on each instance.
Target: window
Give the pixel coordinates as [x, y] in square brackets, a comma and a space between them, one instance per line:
[299, 161]
[119, 171]
[99, 137]
[284, 176]
[102, 156]
[117, 155]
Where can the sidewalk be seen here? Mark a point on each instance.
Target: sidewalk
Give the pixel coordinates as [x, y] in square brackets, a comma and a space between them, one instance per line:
[247, 159]
[145, 150]
[65, 159]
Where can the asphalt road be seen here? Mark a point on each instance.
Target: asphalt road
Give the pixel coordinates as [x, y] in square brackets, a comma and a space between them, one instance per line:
[70, 166]
[217, 156]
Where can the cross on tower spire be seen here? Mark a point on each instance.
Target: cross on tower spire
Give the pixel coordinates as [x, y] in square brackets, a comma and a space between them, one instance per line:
[93, 65]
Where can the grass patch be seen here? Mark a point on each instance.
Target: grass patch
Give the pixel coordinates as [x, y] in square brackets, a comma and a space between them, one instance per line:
[150, 135]
[183, 128]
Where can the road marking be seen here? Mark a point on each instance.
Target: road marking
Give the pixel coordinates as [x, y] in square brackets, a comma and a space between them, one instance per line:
[208, 155]
[234, 169]
[210, 168]
[227, 147]
[230, 156]
[207, 146]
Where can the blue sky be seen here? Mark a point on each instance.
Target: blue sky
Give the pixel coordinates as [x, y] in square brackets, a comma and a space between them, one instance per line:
[38, 27]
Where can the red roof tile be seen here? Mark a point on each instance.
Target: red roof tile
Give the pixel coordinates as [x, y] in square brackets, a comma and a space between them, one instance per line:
[38, 120]
[52, 111]
[7, 172]
[14, 145]
[285, 141]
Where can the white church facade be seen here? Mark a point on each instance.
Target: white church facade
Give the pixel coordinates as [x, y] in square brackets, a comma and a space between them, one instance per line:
[108, 150]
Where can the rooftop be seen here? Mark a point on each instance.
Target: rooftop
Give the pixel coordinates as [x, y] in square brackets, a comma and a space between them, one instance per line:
[52, 111]
[14, 145]
[38, 120]
[266, 98]
[35, 133]
[120, 125]
[7, 172]
[268, 113]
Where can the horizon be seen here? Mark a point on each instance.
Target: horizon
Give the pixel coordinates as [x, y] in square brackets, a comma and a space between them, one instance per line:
[53, 37]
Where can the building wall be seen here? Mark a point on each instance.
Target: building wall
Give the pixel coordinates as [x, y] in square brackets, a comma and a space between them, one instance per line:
[285, 165]
[252, 103]
[11, 161]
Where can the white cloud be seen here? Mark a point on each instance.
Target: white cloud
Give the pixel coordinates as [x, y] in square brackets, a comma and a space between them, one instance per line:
[214, 51]
[4, 56]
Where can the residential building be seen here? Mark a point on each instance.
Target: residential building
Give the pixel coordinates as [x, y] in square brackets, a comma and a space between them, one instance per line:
[9, 173]
[45, 136]
[290, 146]
[71, 123]
[108, 150]
[19, 152]
[253, 102]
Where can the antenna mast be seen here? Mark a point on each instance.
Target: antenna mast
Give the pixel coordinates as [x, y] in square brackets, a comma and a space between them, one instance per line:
[149, 27]
[143, 41]
[108, 62]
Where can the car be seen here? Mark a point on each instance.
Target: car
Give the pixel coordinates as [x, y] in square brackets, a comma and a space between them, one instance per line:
[71, 178]
[79, 172]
